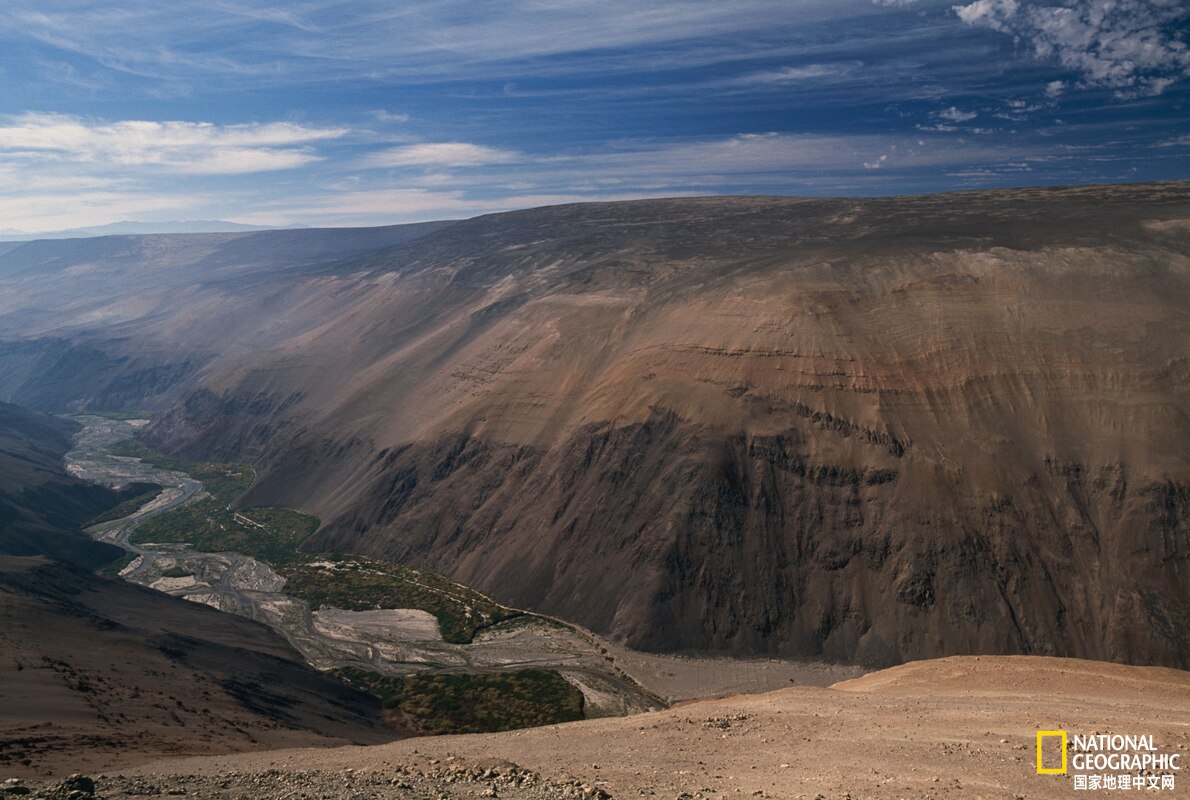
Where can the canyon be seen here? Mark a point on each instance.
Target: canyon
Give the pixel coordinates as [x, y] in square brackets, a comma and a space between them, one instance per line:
[863, 430]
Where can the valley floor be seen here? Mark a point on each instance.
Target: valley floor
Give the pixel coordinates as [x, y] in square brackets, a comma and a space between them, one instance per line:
[961, 727]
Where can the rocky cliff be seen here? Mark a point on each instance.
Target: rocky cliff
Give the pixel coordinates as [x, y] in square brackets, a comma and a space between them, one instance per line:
[863, 429]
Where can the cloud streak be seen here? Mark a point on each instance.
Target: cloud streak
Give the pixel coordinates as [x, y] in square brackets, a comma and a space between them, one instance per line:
[366, 111]
[1132, 46]
[442, 154]
[195, 148]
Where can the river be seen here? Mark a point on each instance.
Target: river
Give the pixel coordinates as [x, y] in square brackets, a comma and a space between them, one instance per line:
[387, 641]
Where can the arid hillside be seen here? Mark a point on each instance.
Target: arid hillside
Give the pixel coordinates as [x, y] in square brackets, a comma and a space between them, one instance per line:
[97, 670]
[869, 430]
[42, 509]
[953, 729]
[94, 668]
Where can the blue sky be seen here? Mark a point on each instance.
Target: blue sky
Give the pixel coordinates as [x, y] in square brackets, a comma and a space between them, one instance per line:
[361, 112]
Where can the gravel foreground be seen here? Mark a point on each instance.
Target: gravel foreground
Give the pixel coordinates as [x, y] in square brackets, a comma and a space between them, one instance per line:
[445, 779]
[961, 728]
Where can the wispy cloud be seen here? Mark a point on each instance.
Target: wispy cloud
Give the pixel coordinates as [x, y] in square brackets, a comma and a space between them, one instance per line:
[953, 114]
[186, 147]
[423, 38]
[399, 205]
[442, 154]
[765, 162]
[785, 75]
[39, 210]
[1132, 46]
[369, 111]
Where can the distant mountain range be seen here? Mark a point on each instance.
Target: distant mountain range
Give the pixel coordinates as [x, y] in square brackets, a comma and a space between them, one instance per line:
[130, 227]
[864, 430]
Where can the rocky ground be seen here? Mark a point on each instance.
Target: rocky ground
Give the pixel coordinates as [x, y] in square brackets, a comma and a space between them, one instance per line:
[951, 729]
[433, 779]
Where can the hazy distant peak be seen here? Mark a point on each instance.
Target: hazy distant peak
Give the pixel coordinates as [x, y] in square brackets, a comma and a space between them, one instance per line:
[132, 227]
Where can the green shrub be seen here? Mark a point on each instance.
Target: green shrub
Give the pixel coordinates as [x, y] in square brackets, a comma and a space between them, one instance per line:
[472, 703]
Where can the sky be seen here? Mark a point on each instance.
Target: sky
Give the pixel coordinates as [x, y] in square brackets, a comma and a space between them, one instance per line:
[369, 112]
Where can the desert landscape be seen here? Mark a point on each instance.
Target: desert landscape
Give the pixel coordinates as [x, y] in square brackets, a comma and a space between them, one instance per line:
[886, 497]
[548, 399]
[926, 426]
[958, 727]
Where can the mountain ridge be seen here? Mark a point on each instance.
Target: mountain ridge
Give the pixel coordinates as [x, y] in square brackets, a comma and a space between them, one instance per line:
[859, 429]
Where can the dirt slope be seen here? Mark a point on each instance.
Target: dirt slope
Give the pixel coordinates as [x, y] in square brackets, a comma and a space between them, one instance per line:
[93, 668]
[42, 509]
[96, 670]
[953, 728]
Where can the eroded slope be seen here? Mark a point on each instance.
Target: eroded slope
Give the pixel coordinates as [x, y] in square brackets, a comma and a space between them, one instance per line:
[871, 430]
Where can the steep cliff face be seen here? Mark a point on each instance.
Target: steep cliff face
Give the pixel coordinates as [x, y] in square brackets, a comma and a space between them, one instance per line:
[873, 430]
[864, 429]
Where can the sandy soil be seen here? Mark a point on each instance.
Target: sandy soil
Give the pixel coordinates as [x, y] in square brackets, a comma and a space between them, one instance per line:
[950, 728]
[677, 678]
[404, 624]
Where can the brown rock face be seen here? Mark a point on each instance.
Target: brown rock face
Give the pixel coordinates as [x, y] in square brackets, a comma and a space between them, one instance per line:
[878, 429]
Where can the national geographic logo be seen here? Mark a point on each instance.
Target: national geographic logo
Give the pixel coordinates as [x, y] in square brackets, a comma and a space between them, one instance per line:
[1107, 761]
[1042, 736]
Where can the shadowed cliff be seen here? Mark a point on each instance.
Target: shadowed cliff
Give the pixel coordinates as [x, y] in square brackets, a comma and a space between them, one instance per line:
[865, 429]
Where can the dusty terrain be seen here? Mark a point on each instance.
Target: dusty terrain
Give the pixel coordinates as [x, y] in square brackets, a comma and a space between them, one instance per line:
[849, 429]
[952, 728]
[94, 669]
[41, 507]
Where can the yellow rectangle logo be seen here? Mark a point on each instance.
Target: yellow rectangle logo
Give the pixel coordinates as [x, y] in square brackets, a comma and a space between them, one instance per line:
[1041, 768]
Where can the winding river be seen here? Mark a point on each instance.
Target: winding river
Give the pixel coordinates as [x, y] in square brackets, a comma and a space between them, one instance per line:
[388, 641]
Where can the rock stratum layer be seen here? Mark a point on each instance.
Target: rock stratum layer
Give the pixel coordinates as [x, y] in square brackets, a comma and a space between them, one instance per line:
[867, 430]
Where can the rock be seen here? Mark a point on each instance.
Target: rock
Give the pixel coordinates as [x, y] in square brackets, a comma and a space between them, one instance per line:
[79, 783]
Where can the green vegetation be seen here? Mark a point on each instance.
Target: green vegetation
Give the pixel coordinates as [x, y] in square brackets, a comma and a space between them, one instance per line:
[177, 572]
[428, 704]
[114, 569]
[129, 506]
[361, 584]
[485, 703]
[134, 448]
[272, 535]
[266, 534]
[211, 525]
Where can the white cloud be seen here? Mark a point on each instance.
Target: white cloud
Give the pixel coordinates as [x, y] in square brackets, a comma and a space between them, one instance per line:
[1054, 89]
[989, 13]
[388, 116]
[793, 74]
[952, 114]
[196, 148]
[442, 154]
[771, 159]
[426, 39]
[56, 210]
[1132, 46]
